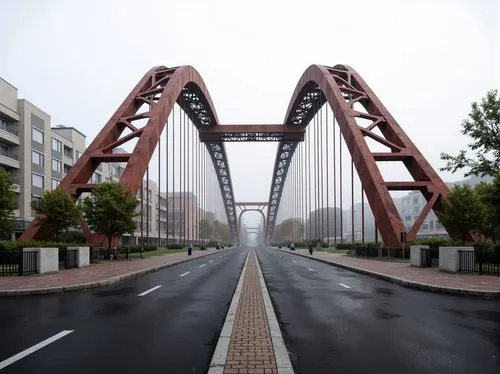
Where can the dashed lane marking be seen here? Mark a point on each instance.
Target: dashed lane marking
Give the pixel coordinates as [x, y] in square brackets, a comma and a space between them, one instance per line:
[344, 285]
[150, 290]
[34, 348]
[310, 269]
[183, 274]
[203, 265]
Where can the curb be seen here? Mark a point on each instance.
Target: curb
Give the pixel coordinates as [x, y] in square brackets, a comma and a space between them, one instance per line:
[407, 283]
[97, 284]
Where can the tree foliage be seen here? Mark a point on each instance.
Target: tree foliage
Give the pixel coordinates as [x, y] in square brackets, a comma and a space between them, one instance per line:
[463, 211]
[110, 210]
[7, 203]
[483, 126]
[489, 194]
[58, 211]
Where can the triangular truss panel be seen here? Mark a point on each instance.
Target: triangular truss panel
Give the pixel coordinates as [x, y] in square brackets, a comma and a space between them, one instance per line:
[360, 115]
[142, 116]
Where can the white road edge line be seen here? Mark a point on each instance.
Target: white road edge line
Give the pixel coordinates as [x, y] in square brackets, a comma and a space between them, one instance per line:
[203, 265]
[34, 348]
[311, 269]
[186, 273]
[283, 363]
[150, 290]
[220, 354]
[344, 285]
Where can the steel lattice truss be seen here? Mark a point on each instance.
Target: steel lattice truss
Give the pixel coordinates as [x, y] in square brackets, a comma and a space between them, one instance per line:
[342, 87]
[152, 99]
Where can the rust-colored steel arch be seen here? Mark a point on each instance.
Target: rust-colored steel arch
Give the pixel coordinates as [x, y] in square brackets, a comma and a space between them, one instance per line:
[342, 87]
[153, 99]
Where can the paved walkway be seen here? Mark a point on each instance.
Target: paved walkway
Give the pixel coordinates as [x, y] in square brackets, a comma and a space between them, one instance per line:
[251, 348]
[401, 272]
[95, 275]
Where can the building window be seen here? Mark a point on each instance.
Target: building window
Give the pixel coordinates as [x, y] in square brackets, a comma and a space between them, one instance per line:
[431, 225]
[56, 145]
[37, 180]
[68, 152]
[37, 158]
[96, 178]
[57, 165]
[34, 200]
[55, 183]
[415, 200]
[438, 225]
[37, 135]
[3, 124]
[77, 155]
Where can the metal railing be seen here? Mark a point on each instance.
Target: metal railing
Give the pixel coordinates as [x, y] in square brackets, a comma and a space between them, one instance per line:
[429, 257]
[479, 262]
[9, 130]
[18, 263]
[8, 154]
[67, 258]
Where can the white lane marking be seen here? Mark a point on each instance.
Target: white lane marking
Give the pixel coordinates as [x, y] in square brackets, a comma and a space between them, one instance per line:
[311, 269]
[34, 348]
[203, 265]
[186, 273]
[211, 261]
[344, 285]
[294, 261]
[148, 291]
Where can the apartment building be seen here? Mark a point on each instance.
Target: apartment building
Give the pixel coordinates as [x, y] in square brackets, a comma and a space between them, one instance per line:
[35, 155]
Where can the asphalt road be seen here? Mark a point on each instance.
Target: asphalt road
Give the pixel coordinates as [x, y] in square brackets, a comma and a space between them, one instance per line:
[336, 321]
[172, 329]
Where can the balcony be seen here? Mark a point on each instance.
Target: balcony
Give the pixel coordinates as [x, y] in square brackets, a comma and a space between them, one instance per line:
[9, 136]
[9, 159]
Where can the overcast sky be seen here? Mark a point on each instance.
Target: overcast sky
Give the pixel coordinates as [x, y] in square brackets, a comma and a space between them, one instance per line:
[426, 60]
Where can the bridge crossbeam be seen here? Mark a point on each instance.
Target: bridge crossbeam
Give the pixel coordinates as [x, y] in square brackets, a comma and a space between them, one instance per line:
[251, 133]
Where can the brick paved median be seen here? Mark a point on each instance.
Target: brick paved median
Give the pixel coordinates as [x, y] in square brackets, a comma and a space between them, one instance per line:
[427, 277]
[94, 275]
[251, 347]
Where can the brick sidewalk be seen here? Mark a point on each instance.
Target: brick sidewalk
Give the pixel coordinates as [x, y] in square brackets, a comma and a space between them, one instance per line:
[430, 277]
[94, 275]
[251, 348]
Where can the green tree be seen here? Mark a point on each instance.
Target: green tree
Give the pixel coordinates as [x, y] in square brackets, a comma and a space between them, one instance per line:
[58, 211]
[483, 126]
[7, 203]
[488, 193]
[110, 210]
[463, 211]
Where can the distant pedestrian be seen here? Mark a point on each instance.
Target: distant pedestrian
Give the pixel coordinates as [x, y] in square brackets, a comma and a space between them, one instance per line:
[310, 248]
[190, 249]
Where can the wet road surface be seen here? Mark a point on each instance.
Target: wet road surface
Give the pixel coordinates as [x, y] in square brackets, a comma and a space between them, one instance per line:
[168, 329]
[337, 321]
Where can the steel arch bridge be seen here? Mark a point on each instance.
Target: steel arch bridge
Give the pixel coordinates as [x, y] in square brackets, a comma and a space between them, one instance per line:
[341, 87]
